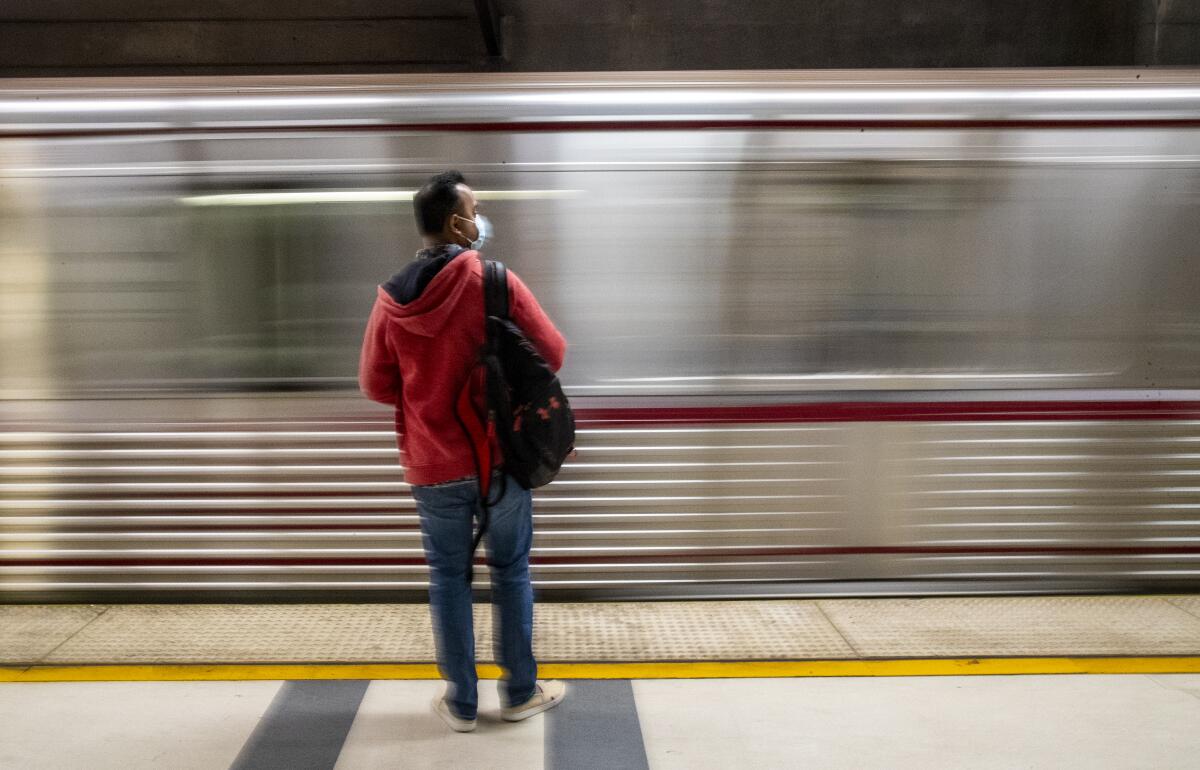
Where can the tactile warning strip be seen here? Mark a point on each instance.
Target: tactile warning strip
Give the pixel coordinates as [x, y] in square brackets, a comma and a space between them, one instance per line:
[270, 633]
[1189, 603]
[764, 630]
[29, 632]
[1002, 626]
[384, 633]
[607, 632]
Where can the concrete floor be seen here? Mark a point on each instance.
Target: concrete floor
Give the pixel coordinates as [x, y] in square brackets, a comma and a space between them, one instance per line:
[1124, 721]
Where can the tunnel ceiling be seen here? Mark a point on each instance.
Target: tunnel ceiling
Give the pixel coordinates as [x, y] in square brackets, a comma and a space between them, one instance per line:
[189, 37]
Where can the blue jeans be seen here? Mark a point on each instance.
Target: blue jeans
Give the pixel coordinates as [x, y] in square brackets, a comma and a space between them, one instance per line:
[448, 514]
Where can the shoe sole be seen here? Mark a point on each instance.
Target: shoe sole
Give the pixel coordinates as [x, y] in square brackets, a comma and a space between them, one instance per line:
[532, 712]
[459, 726]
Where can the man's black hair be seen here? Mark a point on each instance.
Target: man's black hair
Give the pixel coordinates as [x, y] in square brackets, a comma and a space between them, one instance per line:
[437, 200]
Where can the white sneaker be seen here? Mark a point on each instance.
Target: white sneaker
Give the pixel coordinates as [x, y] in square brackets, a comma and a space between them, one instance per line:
[547, 696]
[457, 724]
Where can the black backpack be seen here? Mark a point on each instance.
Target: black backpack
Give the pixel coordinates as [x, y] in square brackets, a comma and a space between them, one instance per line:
[531, 415]
[527, 411]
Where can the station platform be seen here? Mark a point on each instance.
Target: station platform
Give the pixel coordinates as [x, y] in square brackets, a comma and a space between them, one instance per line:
[781, 683]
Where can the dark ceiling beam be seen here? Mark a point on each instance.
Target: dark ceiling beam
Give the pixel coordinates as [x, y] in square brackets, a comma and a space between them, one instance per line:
[489, 24]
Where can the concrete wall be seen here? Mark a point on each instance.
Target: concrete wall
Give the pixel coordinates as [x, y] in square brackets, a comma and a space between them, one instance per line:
[764, 34]
[77, 37]
[1169, 32]
[82, 37]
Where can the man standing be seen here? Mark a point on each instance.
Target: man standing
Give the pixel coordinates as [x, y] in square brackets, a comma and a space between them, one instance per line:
[420, 349]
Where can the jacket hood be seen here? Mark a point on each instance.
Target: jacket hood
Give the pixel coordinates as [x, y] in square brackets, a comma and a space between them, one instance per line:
[428, 314]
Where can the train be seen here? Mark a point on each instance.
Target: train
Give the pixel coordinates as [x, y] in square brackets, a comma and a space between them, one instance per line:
[831, 332]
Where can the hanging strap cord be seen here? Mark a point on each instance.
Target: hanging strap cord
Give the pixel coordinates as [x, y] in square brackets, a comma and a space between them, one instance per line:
[481, 434]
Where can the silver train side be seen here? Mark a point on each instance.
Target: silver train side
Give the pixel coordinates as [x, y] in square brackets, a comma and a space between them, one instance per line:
[886, 332]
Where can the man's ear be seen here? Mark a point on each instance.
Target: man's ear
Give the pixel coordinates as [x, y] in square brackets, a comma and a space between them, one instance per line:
[450, 229]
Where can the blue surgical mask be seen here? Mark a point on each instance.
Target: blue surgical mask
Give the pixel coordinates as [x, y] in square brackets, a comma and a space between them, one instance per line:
[483, 227]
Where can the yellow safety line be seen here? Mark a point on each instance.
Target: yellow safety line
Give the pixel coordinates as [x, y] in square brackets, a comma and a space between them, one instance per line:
[663, 670]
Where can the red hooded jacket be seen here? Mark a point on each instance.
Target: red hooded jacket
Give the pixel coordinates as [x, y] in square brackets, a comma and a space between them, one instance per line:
[417, 357]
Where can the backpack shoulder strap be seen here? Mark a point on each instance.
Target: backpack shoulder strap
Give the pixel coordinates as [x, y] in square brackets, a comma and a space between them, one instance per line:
[495, 303]
[495, 289]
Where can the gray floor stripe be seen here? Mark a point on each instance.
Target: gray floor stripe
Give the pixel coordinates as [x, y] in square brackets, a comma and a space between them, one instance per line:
[304, 727]
[596, 726]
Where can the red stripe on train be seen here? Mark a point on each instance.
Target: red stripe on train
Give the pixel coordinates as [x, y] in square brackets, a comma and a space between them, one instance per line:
[812, 411]
[897, 411]
[634, 558]
[554, 126]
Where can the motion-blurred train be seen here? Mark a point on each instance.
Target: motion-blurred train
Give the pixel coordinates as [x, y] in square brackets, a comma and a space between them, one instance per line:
[875, 332]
